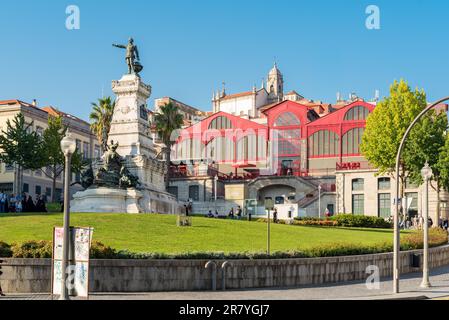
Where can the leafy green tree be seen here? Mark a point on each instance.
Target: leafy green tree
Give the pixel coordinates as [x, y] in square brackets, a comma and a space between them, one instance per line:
[386, 126]
[426, 141]
[20, 147]
[101, 118]
[167, 122]
[52, 157]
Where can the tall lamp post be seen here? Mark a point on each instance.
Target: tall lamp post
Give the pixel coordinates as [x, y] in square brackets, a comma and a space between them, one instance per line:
[319, 201]
[426, 173]
[215, 191]
[68, 147]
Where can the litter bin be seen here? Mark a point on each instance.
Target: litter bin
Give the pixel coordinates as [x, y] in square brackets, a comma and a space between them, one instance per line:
[415, 260]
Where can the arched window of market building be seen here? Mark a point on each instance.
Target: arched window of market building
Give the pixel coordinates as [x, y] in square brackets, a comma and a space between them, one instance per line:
[221, 149]
[220, 123]
[351, 142]
[357, 113]
[323, 143]
[247, 148]
[287, 119]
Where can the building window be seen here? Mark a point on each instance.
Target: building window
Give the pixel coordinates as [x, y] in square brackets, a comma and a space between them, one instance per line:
[38, 173]
[194, 193]
[288, 142]
[358, 204]
[9, 168]
[323, 143]
[48, 192]
[86, 147]
[247, 148]
[409, 184]
[39, 131]
[173, 190]
[26, 187]
[384, 184]
[37, 190]
[221, 149]
[357, 113]
[220, 123]
[58, 194]
[357, 184]
[384, 205]
[411, 203]
[351, 141]
[287, 119]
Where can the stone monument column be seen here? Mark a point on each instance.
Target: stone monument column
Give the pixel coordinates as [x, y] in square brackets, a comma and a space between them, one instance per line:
[130, 126]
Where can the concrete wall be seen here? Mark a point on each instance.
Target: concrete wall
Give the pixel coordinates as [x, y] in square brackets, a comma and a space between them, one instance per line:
[33, 275]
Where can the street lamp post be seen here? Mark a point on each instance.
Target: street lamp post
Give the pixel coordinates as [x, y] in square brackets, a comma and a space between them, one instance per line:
[215, 191]
[68, 147]
[426, 173]
[319, 201]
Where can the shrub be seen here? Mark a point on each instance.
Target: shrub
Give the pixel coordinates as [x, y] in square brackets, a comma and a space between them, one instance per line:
[32, 249]
[360, 221]
[415, 240]
[100, 251]
[5, 250]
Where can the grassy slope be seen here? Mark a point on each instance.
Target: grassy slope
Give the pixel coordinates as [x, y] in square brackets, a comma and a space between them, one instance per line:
[159, 233]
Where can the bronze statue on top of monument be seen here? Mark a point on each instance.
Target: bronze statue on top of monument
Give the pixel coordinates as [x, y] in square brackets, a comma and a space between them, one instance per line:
[112, 174]
[132, 57]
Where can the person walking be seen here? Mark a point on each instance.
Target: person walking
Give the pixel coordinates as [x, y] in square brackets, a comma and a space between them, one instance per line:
[275, 215]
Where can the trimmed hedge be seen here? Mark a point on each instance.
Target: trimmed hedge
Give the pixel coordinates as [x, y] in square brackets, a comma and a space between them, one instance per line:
[361, 221]
[412, 241]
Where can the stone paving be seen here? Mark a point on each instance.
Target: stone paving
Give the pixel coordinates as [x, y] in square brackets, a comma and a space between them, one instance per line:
[409, 287]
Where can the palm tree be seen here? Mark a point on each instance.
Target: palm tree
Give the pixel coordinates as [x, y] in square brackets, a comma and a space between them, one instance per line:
[101, 118]
[166, 121]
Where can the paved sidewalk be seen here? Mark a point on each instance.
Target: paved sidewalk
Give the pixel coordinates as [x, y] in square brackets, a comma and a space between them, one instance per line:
[409, 287]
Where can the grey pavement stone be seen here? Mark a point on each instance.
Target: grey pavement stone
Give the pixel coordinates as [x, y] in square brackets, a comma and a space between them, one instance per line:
[409, 287]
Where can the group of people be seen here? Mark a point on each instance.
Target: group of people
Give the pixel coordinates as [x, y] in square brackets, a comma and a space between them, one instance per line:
[237, 214]
[22, 203]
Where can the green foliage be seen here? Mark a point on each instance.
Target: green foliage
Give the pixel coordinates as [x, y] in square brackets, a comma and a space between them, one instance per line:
[51, 154]
[32, 249]
[100, 251]
[425, 142]
[20, 145]
[443, 164]
[360, 221]
[387, 124]
[5, 250]
[167, 122]
[413, 241]
[101, 118]
[53, 207]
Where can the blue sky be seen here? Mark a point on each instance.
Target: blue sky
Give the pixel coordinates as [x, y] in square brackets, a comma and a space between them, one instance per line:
[189, 47]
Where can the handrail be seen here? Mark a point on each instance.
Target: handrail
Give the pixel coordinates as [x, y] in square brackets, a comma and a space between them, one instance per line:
[223, 274]
[214, 273]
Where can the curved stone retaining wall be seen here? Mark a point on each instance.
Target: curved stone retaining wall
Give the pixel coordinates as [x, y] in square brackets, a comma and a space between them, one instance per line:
[33, 275]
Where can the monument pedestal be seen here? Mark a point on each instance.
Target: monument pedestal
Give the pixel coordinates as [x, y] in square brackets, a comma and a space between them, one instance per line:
[107, 200]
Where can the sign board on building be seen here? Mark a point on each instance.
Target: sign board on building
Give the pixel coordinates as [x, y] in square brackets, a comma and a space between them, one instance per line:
[78, 273]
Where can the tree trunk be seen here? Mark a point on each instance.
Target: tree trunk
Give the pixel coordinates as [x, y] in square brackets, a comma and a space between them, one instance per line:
[53, 193]
[435, 223]
[167, 163]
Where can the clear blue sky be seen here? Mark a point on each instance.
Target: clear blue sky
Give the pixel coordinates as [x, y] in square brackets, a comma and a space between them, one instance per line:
[189, 47]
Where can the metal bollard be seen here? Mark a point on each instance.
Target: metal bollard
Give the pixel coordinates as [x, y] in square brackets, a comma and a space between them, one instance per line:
[214, 273]
[223, 274]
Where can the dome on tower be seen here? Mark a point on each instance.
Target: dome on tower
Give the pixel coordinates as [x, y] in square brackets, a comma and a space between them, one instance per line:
[275, 71]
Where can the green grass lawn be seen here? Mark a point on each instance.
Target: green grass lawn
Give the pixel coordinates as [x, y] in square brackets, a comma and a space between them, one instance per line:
[159, 233]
